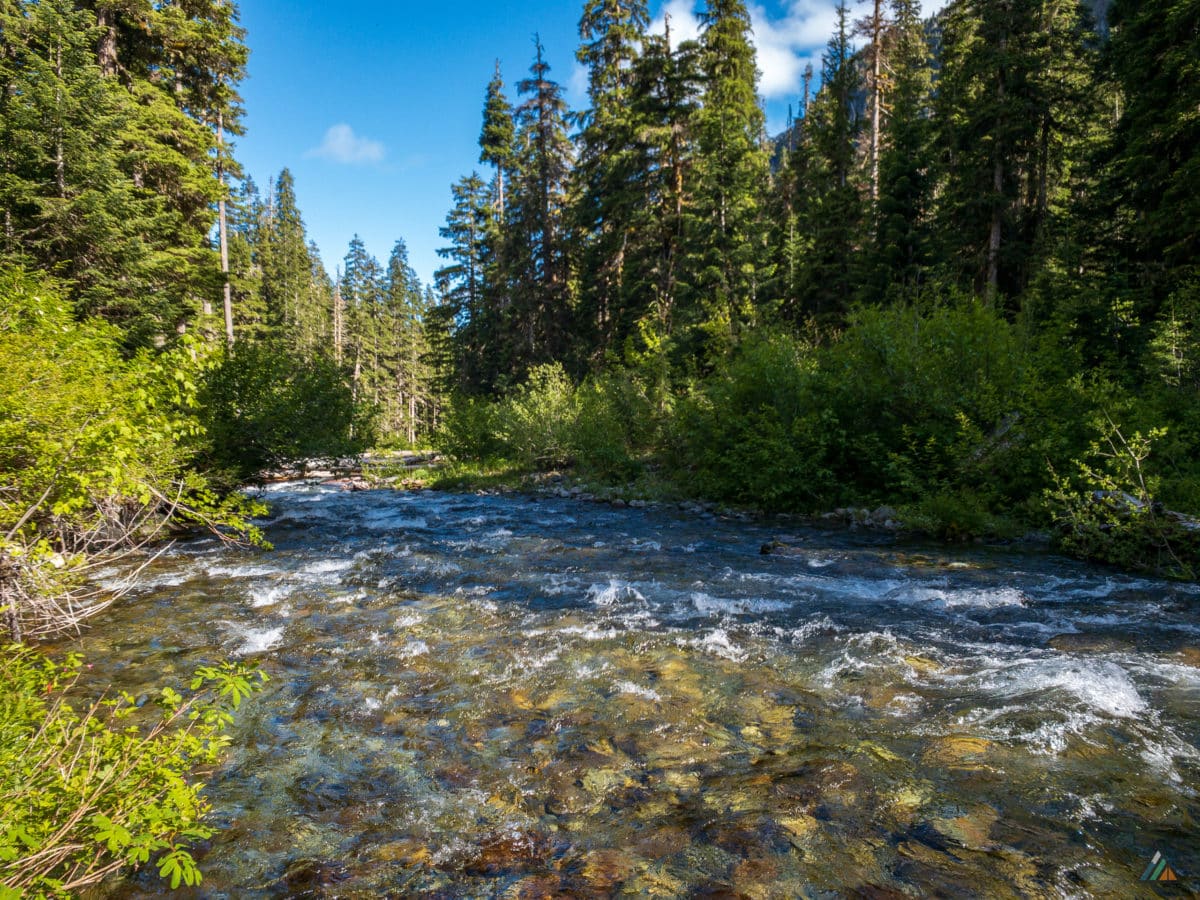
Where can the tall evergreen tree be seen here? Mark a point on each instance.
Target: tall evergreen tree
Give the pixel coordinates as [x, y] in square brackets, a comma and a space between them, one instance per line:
[496, 141]
[726, 231]
[901, 250]
[286, 266]
[666, 99]
[829, 187]
[467, 321]
[612, 168]
[538, 311]
[408, 403]
[1015, 75]
[1156, 149]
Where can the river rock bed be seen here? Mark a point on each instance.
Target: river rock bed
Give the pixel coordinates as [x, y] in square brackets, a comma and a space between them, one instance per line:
[480, 696]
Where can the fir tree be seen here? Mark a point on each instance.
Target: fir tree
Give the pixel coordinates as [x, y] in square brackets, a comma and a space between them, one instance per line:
[538, 309]
[901, 251]
[1156, 149]
[611, 171]
[829, 187]
[726, 231]
[496, 142]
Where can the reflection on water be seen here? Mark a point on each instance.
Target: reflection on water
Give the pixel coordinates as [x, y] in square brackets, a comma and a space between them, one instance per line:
[483, 696]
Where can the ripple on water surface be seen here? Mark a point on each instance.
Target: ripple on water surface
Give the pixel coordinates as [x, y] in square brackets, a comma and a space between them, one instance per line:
[479, 696]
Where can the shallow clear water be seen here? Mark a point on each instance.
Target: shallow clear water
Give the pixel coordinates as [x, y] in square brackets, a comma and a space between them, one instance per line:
[480, 696]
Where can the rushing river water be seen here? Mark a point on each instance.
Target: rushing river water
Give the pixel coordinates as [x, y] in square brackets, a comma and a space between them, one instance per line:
[479, 696]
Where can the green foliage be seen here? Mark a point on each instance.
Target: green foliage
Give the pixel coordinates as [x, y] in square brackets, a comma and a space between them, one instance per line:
[89, 792]
[262, 408]
[1109, 510]
[96, 450]
[604, 427]
[79, 423]
[910, 403]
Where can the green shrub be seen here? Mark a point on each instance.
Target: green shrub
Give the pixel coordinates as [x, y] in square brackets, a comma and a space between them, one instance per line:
[615, 426]
[535, 423]
[262, 408]
[86, 794]
[96, 454]
[1109, 511]
[756, 433]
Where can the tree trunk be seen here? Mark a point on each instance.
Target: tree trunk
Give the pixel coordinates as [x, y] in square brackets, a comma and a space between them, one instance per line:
[106, 48]
[223, 229]
[996, 236]
[876, 96]
[339, 324]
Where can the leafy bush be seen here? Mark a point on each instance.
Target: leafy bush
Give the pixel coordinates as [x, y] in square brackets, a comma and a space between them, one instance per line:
[86, 794]
[535, 422]
[1109, 511]
[604, 426]
[912, 402]
[757, 433]
[95, 454]
[262, 408]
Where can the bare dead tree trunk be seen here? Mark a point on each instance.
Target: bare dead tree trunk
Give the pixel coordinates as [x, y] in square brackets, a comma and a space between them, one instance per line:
[876, 95]
[339, 320]
[223, 229]
[996, 236]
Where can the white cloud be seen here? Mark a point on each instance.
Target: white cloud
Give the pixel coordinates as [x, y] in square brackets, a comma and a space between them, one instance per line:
[342, 145]
[786, 44]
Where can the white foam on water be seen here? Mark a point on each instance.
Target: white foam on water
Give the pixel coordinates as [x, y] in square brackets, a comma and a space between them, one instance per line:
[811, 629]
[239, 571]
[820, 562]
[413, 649]
[646, 546]
[1096, 685]
[616, 591]
[394, 520]
[408, 620]
[718, 643]
[592, 632]
[371, 704]
[269, 594]
[328, 567]
[628, 687]
[715, 606]
[948, 598]
[500, 533]
[259, 640]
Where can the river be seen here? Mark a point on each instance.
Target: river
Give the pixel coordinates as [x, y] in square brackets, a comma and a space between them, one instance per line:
[479, 696]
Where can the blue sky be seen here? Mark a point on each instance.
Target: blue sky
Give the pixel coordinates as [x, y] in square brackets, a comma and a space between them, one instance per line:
[375, 106]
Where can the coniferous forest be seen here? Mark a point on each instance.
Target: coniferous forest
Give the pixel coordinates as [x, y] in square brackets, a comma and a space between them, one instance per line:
[962, 288]
[962, 282]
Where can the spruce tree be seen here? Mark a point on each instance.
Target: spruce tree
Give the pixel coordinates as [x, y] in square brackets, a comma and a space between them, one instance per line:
[611, 172]
[726, 231]
[901, 252]
[666, 100]
[537, 309]
[469, 325]
[829, 188]
[1014, 80]
[286, 265]
[1156, 149]
[496, 139]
